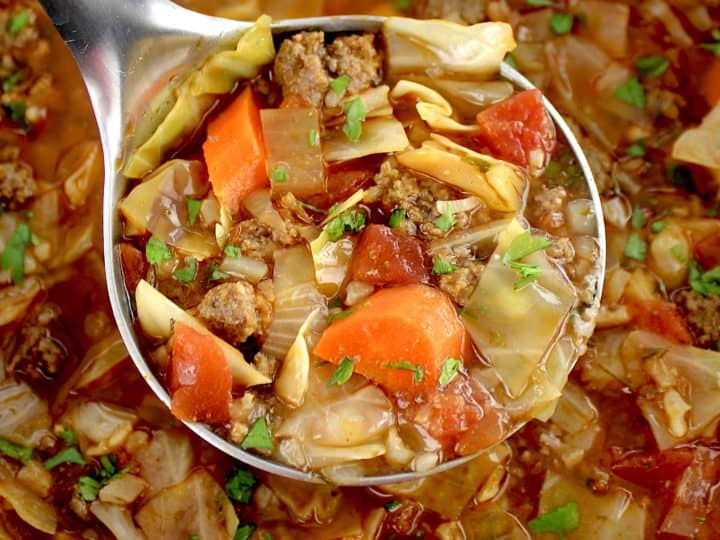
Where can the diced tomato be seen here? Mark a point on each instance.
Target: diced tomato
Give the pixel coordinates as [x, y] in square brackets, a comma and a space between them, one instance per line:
[518, 129]
[651, 469]
[707, 251]
[385, 257]
[200, 378]
[133, 263]
[344, 179]
[662, 318]
[711, 83]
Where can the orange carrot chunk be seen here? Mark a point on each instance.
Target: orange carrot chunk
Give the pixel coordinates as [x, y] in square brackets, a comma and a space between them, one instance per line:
[398, 338]
[200, 378]
[711, 83]
[235, 153]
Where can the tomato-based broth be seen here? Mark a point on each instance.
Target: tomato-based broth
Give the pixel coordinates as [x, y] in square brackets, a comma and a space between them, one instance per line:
[319, 291]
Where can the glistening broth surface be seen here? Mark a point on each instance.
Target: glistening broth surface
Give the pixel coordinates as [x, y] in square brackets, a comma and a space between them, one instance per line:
[634, 435]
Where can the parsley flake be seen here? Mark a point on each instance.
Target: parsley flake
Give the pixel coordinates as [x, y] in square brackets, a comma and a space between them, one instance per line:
[157, 251]
[68, 435]
[187, 273]
[704, 283]
[312, 208]
[523, 245]
[88, 488]
[279, 175]
[392, 505]
[540, 3]
[652, 66]
[244, 532]
[13, 256]
[441, 266]
[16, 110]
[636, 247]
[636, 149]
[638, 218]
[712, 47]
[446, 221]
[632, 92]
[562, 23]
[510, 61]
[340, 315]
[564, 518]
[339, 85]
[658, 226]
[193, 209]
[240, 485]
[397, 216]
[18, 21]
[402, 5]
[449, 370]
[10, 82]
[528, 273]
[217, 275]
[352, 221]
[354, 118]
[313, 137]
[417, 370]
[232, 251]
[343, 372]
[258, 436]
[68, 455]
[15, 451]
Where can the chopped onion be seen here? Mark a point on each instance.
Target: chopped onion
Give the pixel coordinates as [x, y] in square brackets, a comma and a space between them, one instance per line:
[379, 136]
[292, 382]
[480, 235]
[374, 99]
[101, 358]
[243, 267]
[581, 217]
[615, 282]
[29, 507]
[659, 9]
[117, 519]
[297, 164]
[157, 314]
[459, 205]
[398, 454]
[617, 211]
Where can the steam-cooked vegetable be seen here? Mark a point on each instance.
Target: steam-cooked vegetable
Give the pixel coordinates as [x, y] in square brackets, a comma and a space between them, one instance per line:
[34, 511]
[100, 428]
[379, 136]
[245, 268]
[157, 315]
[431, 106]
[499, 184]
[122, 489]
[496, 306]
[285, 132]
[292, 382]
[117, 519]
[167, 460]
[195, 95]
[699, 145]
[24, 417]
[332, 261]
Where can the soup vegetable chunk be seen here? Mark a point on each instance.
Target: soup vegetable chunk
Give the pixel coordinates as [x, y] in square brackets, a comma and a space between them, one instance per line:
[335, 271]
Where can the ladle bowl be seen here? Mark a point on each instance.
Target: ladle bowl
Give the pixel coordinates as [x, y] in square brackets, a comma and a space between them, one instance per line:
[131, 53]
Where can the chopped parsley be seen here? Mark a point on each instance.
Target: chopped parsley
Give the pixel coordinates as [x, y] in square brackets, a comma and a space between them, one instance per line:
[343, 372]
[446, 221]
[16, 110]
[18, 21]
[562, 23]
[712, 47]
[564, 518]
[265, 535]
[193, 209]
[392, 505]
[313, 137]
[417, 370]
[240, 485]
[216, 274]
[157, 251]
[232, 251]
[397, 217]
[652, 66]
[523, 245]
[638, 218]
[632, 92]
[402, 5]
[678, 252]
[244, 532]
[193, 536]
[354, 118]
[10, 82]
[312, 208]
[658, 226]
[636, 247]
[68, 455]
[510, 61]
[68, 435]
[340, 315]
[540, 3]
[441, 266]
[258, 436]
[13, 256]
[636, 149]
[352, 220]
[449, 370]
[704, 283]
[89, 486]
[15, 451]
[528, 273]
[340, 84]
[187, 273]
[279, 174]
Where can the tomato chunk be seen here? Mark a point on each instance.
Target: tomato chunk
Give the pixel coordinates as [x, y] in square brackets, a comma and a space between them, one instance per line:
[707, 251]
[200, 378]
[652, 469]
[518, 130]
[385, 257]
[662, 318]
[134, 265]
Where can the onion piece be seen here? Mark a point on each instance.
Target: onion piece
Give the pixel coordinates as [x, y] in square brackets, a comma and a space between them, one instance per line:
[243, 267]
[374, 99]
[286, 133]
[117, 519]
[357, 291]
[157, 315]
[29, 507]
[332, 261]
[617, 211]
[292, 382]
[581, 217]
[379, 136]
[482, 234]
[458, 205]
[659, 9]
[431, 106]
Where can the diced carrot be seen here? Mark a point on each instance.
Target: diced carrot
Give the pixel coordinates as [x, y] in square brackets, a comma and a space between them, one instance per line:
[711, 83]
[200, 378]
[413, 325]
[385, 257]
[662, 318]
[235, 153]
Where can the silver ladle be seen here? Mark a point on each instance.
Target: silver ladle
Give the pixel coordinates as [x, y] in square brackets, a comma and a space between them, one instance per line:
[123, 48]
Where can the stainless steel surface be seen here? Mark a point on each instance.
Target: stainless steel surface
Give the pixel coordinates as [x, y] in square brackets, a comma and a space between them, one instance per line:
[129, 53]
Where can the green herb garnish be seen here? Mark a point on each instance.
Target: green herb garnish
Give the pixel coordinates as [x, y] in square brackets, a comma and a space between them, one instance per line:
[632, 92]
[15, 451]
[712, 47]
[652, 66]
[638, 218]
[352, 220]
[312, 208]
[343, 372]
[13, 256]
[417, 370]
[68, 435]
[279, 175]
[392, 505]
[68, 455]
[88, 488]
[340, 84]
[313, 137]
[704, 283]
[216, 274]
[244, 532]
[562, 23]
[16, 110]
[354, 118]
[636, 149]
[658, 226]
[18, 21]
[540, 3]
[397, 217]
[193, 209]
[157, 251]
[528, 273]
[10, 82]
[441, 266]
[510, 61]
[564, 518]
[679, 253]
[402, 5]
[449, 370]
[636, 247]
[340, 315]
[446, 221]
[240, 485]
[523, 245]
[187, 273]
[258, 436]
[232, 251]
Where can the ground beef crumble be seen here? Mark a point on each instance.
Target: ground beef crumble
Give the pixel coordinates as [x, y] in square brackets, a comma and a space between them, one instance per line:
[38, 354]
[702, 314]
[17, 180]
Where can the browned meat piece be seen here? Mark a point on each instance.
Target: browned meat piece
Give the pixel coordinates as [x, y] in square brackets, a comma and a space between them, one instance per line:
[465, 11]
[461, 283]
[299, 67]
[254, 239]
[356, 57]
[702, 314]
[235, 310]
[39, 355]
[17, 181]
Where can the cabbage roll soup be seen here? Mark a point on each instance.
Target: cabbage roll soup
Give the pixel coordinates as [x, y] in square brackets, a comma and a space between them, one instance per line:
[360, 253]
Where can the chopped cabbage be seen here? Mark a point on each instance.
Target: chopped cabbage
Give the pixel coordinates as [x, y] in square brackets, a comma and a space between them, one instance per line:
[379, 136]
[24, 417]
[167, 460]
[292, 382]
[29, 507]
[467, 96]
[493, 522]
[100, 428]
[117, 519]
[123, 489]
[431, 106]
[16, 299]
[700, 145]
